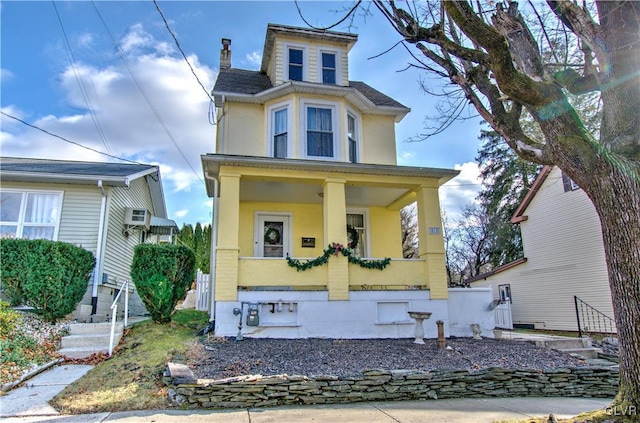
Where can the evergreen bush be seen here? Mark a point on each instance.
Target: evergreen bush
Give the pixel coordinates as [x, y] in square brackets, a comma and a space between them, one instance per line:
[49, 276]
[162, 273]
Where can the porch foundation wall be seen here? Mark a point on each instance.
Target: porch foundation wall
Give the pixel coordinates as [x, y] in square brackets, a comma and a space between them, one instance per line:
[366, 314]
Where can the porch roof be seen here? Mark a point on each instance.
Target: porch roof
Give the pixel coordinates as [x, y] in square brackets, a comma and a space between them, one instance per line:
[367, 184]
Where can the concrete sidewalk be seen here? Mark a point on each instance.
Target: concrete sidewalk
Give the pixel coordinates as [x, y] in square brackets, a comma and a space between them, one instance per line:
[29, 403]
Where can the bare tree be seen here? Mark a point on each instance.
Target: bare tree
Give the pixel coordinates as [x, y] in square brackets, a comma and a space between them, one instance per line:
[504, 62]
[409, 225]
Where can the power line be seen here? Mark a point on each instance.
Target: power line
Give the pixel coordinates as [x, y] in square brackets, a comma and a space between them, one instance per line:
[67, 140]
[175, 39]
[80, 81]
[144, 95]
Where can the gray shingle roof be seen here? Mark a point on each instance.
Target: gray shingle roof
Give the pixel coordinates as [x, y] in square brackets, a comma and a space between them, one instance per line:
[374, 95]
[241, 81]
[45, 166]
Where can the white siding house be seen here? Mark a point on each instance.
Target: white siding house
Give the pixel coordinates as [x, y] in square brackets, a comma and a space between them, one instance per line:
[86, 207]
[563, 257]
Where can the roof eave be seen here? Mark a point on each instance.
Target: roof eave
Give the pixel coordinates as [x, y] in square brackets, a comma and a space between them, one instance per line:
[211, 164]
[122, 181]
[353, 95]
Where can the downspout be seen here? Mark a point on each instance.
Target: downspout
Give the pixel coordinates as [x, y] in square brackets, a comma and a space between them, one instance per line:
[97, 276]
[214, 246]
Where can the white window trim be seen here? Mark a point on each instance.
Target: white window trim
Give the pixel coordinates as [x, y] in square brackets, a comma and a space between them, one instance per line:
[271, 110]
[367, 227]
[337, 131]
[257, 232]
[23, 204]
[358, 118]
[338, 64]
[305, 60]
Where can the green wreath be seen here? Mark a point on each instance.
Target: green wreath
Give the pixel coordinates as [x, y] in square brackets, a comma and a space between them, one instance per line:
[355, 237]
[272, 236]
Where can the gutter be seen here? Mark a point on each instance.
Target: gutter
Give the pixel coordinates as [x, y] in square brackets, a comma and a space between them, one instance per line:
[97, 276]
[214, 246]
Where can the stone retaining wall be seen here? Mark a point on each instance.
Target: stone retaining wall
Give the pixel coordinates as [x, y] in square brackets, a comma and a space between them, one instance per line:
[382, 385]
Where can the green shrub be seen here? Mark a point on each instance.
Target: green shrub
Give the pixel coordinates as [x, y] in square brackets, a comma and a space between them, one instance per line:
[162, 274]
[53, 276]
[14, 256]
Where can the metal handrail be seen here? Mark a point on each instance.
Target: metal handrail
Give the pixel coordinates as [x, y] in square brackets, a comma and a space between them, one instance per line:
[592, 320]
[114, 311]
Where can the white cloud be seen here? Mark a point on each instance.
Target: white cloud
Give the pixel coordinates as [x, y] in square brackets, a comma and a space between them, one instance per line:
[181, 213]
[254, 59]
[461, 190]
[165, 123]
[85, 40]
[6, 74]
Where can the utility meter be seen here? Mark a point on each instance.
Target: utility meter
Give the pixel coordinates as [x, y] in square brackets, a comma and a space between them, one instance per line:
[252, 317]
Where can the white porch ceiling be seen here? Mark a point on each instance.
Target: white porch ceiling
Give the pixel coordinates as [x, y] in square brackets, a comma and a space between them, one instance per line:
[270, 191]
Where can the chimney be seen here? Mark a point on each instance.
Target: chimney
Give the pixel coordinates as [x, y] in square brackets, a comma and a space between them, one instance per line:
[225, 54]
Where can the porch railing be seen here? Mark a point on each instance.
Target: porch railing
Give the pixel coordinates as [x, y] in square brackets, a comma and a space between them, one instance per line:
[114, 313]
[591, 320]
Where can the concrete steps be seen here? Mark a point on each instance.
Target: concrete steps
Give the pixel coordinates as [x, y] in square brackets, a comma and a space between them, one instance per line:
[85, 339]
[578, 347]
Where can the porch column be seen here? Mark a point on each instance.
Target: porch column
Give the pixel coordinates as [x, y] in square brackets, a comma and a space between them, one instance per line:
[335, 230]
[228, 248]
[431, 240]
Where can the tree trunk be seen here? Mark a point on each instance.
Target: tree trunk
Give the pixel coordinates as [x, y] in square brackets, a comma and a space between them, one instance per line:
[617, 201]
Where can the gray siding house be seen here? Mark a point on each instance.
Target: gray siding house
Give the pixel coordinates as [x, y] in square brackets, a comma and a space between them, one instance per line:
[105, 208]
[563, 257]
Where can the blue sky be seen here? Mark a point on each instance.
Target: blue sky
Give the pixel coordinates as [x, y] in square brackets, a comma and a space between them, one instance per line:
[109, 76]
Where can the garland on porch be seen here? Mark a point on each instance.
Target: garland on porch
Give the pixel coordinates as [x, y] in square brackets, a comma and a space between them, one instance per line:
[334, 249]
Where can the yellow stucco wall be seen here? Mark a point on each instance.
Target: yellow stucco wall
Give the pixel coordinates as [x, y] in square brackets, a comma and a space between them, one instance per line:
[250, 129]
[378, 133]
[306, 222]
[386, 235]
[246, 123]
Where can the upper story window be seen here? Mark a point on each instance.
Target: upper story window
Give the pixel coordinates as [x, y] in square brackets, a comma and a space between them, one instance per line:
[296, 64]
[280, 131]
[568, 183]
[352, 137]
[30, 214]
[328, 68]
[320, 135]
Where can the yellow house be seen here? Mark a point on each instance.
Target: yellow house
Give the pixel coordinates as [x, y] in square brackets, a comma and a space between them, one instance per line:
[307, 198]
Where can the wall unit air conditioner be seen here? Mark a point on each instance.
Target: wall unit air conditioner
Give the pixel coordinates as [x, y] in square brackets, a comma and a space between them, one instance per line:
[137, 217]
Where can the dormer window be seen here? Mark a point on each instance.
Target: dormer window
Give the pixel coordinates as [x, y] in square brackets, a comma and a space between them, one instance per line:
[328, 68]
[296, 67]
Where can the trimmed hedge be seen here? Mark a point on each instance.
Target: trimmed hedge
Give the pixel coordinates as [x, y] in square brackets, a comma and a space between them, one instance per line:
[162, 273]
[49, 276]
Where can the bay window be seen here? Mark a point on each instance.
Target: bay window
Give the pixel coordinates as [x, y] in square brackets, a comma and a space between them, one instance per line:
[320, 138]
[352, 138]
[280, 130]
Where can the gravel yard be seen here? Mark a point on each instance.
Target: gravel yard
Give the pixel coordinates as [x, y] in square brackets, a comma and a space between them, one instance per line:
[215, 358]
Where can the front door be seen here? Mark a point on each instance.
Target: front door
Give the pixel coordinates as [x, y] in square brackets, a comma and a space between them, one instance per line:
[272, 236]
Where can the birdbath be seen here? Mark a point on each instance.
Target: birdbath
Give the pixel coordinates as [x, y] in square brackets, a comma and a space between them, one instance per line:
[420, 316]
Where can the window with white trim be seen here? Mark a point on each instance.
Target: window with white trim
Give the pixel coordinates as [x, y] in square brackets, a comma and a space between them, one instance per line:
[352, 137]
[30, 214]
[296, 64]
[320, 135]
[328, 68]
[357, 232]
[280, 129]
